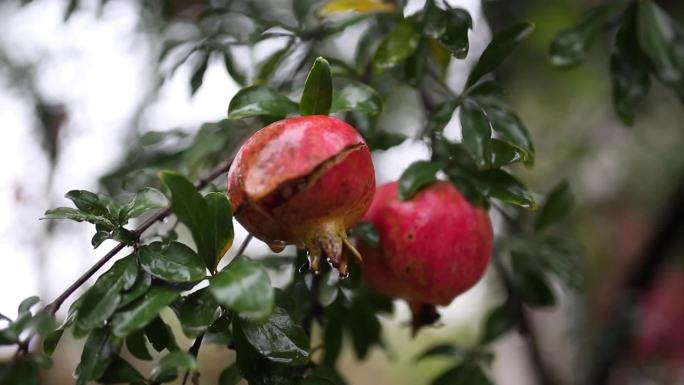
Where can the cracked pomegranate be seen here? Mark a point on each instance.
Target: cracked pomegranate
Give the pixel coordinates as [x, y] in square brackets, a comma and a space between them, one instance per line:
[303, 181]
[432, 248]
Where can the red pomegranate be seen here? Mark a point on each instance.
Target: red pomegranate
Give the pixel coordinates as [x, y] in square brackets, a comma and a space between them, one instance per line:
[658, 332]
[303, 181]
[432, 248]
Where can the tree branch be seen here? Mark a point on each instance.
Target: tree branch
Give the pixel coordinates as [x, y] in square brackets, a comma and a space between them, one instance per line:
[194, 351]
[244, 244]
[517, 308]
[159, 215]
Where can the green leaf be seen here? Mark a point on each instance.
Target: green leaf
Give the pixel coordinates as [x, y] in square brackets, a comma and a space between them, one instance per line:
[88, 202]
[160, 336]
[279, 339]
[396, 47]
[317, 380]
[328, 289]
[219, 332]
[533, 287]
[230, 376]
[198, 74]
[476, 132]
[220, 223]
[467, 374]
[100, 237]
[505, 187]
[303, 9]
[364, 327]
[502, 153]
[260, 100]
[455, 38]
[332, 335]
[662, 42]
[570, 46]
[499, 322]
[209, 219]
[21, 371]
[448, 350]
[137, 345]
[100, 349]
[244, 287]
[78, 216]
[142, 285]
[257, 369]
[434, 20]
[145, 200]
[198, 311]
[42, 360]
[510, 128]
[26, 305]
[357, 96]
[558, 205]
[173, 262]
[317, 95]
[142, 311]
[51, 340]
[557, 256]
[232, 69]
[103, 298]
[367, 232]
[416, 64]
[419, 174]
[629, 70]
[498, 49]
[120, 371]
[167, 368]
[269, 65]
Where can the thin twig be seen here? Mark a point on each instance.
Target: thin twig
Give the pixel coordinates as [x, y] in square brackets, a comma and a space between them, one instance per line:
[244, 244]
[6, 318]
[517, 309]
[194, 351]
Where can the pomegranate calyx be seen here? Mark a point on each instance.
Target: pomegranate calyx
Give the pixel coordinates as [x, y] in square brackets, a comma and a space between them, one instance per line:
[330, 240]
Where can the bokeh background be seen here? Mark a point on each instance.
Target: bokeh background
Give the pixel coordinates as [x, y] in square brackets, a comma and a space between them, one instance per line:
[74, 94]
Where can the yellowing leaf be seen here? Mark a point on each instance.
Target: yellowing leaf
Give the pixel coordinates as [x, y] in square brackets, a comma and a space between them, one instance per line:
[362, 6]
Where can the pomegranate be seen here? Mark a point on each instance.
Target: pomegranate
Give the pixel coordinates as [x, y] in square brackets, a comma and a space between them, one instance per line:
[432, 248]
[304, 181]
[659, 336]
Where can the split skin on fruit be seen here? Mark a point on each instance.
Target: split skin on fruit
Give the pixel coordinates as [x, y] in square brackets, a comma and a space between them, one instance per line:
[432, 247]
[304, 181]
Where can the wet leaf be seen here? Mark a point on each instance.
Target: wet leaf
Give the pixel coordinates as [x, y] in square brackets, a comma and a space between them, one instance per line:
[317, 95]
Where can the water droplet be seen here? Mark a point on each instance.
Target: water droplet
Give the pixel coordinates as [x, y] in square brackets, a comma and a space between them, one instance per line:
[277, 246]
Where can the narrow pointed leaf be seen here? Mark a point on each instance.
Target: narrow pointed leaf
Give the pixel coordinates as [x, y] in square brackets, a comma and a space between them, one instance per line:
[498, 49]
[558, 205]
[260, 100]
[167, 368]
[142, 311]
[396, 47]
[505, 187]
[100, 349]
[416, 176]
[570, 46]
[476, 132]
[662, 42]
[220, 224]
[317, 96]
[357, 96]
